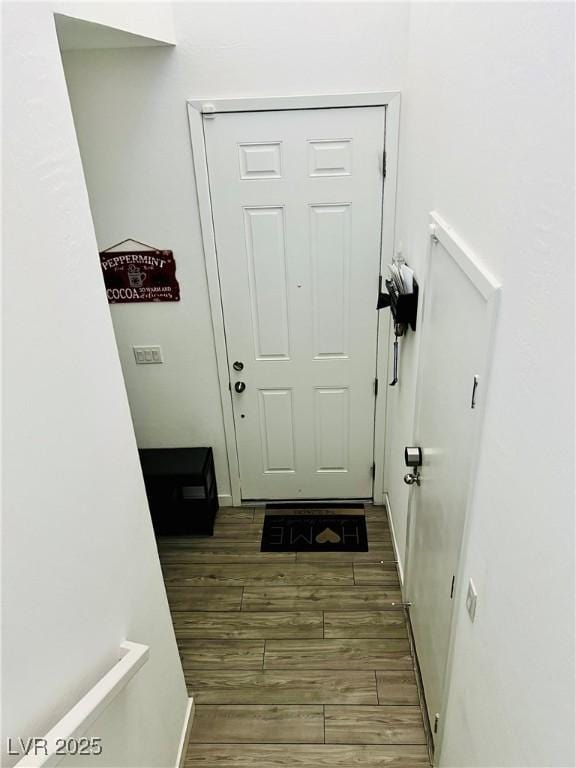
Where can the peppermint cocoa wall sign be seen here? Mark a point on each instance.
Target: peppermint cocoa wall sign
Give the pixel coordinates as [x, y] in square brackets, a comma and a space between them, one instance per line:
[139, 275]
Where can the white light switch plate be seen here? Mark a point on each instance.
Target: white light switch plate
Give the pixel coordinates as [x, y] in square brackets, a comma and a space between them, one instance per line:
[148, 355]
[471, 597]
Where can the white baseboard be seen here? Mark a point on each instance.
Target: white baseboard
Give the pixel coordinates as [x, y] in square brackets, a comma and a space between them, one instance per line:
[225, 499]
[394, 541]
[185, 734]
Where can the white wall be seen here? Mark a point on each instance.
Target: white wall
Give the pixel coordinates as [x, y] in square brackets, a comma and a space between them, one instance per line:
[143, 22]
[80, 570]
[130, 114]
[487, 141]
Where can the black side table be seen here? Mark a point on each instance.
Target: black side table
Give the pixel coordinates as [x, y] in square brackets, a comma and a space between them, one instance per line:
[181, 489]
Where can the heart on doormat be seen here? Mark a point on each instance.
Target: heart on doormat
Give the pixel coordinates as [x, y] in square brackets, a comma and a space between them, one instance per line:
[328, 536]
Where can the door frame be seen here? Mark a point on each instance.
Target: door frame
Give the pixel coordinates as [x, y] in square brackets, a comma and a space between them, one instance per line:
[487, 285]
[201, 109]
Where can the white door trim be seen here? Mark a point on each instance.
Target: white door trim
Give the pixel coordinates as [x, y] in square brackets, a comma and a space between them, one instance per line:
[199, 109]
[316, 101]
[489, 287]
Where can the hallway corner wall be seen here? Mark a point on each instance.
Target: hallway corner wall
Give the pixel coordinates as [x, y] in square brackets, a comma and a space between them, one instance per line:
[146, 22]
[80, 568]
[487, 142]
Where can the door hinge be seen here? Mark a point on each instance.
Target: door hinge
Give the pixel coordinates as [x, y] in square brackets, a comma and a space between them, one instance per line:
[452, 587]
[373, 469]
[376, 387]
[436, 718]
[208, 111]
[384, 163]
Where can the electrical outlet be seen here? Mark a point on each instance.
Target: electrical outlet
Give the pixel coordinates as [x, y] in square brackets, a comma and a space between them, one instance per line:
[471, 597]
[148, 355]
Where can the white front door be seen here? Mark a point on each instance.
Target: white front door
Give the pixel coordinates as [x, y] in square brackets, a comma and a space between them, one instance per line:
[456, 332]
[297, 207]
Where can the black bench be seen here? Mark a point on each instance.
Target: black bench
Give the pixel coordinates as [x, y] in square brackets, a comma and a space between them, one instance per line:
[181, 489]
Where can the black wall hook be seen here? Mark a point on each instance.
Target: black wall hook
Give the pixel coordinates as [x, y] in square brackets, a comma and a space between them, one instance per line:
[404, 306]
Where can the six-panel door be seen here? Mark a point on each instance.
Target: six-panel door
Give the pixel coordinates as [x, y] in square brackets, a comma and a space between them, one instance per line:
[297, 206]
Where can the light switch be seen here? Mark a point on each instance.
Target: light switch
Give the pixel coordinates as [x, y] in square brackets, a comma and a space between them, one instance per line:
[148, 355]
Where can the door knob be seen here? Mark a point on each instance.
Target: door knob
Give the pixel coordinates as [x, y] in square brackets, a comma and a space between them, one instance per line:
[412, 478]
[239, 387]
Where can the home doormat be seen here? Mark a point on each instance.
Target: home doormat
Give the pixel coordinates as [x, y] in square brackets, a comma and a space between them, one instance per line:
[314, 528]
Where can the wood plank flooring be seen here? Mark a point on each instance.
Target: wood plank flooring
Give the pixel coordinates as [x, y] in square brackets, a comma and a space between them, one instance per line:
[293, 659]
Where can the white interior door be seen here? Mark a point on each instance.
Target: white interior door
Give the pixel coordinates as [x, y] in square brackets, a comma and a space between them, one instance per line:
[457, 323]
[297, 209]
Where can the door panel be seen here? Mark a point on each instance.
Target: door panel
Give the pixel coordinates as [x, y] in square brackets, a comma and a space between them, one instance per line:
[277, 430]
[330, 255]
[297, 207]
[456, 327]
[266, 263]
[332, 411]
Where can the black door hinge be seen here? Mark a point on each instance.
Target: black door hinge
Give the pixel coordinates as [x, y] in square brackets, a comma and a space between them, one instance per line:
[452, 588]
[436, 719]
[384, 163]
[373, 469]
[375, 387]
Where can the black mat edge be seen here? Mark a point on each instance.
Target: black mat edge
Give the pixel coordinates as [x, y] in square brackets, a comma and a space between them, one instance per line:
[313, 505]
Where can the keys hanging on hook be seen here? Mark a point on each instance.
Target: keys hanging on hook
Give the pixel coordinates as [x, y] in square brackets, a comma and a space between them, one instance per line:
[399, 329]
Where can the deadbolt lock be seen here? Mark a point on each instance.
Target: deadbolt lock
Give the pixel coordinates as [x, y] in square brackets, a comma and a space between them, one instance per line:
[238, 366]
[413, 459]
[413, 456]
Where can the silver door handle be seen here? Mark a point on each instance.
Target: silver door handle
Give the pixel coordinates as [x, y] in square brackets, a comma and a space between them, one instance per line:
[395, 374]
[474, 388]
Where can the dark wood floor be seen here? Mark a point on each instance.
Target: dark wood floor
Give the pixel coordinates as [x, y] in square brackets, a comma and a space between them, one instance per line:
[298, 660]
